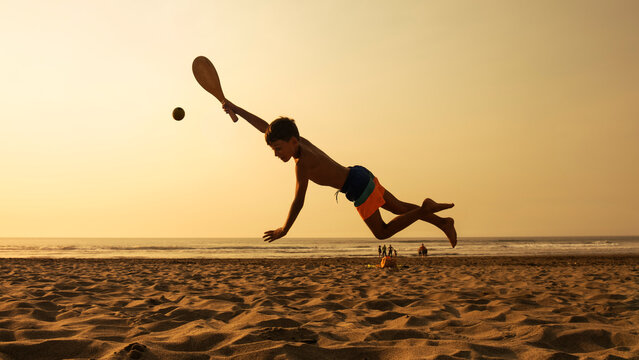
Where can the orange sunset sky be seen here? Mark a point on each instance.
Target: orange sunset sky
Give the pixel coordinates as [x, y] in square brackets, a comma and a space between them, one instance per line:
[523, 113]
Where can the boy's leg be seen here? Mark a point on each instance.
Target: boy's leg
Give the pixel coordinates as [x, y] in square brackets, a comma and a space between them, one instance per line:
[447, 225]
[398, 207]
[382, 230]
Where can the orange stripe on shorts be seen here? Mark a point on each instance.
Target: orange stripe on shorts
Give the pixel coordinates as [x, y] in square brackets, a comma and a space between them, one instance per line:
[374, 201]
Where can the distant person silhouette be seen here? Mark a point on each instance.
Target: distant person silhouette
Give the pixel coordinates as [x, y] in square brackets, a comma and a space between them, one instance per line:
[423, 251]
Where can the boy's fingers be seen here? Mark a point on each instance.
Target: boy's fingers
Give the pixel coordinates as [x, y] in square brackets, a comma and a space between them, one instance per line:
[271, 236]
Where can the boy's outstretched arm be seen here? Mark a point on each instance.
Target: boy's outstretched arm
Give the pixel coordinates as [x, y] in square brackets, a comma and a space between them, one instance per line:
[296, 207]
[258, 123]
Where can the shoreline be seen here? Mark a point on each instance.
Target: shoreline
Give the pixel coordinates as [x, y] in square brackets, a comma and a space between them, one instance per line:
[435, 259]
[310, 248]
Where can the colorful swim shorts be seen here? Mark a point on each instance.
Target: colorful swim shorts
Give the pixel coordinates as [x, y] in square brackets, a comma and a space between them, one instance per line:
[362, 188]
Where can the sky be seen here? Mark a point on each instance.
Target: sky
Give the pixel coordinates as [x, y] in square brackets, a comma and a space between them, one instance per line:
[525, 114]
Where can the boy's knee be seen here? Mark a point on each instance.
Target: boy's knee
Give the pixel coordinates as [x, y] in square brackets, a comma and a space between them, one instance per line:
[377, 227]
[381, 234]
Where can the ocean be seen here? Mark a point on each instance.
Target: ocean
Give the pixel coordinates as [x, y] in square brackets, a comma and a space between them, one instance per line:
[243, 248]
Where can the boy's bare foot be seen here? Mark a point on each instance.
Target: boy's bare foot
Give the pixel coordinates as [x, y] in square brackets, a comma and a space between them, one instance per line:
[448, 227]
[432, 207]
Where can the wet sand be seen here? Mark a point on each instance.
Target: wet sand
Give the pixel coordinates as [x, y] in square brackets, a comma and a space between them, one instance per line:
[336, 308]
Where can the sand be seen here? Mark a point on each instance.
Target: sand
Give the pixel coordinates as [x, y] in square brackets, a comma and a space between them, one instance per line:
[432, 308]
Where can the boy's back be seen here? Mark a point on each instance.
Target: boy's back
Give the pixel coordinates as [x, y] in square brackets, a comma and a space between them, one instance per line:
[318, 167]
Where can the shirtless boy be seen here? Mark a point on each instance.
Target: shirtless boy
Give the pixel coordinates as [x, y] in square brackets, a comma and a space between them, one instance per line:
[359, 184]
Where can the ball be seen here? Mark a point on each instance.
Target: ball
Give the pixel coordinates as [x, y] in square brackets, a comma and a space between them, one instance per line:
[178, 113]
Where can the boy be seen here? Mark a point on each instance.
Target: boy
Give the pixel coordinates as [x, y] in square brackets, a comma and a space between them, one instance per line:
[357, 182]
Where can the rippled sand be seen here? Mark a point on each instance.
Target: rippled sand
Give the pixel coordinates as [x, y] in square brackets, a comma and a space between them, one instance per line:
[433, 308]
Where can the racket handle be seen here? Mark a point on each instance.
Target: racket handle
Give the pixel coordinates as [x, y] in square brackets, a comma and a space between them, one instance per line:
[232, 115]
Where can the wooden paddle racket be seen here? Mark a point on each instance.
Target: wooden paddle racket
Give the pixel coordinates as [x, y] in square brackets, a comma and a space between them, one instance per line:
[206, 76]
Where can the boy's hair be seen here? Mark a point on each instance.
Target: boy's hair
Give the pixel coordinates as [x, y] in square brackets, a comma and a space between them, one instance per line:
[282, 128]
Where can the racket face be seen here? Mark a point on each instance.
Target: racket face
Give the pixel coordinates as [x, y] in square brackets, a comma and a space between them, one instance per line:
[207, 77]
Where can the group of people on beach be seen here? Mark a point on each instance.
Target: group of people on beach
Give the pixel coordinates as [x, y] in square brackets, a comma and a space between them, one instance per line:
[383, 251]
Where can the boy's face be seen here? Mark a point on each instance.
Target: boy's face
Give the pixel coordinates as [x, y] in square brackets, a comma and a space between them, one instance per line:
[284, 149]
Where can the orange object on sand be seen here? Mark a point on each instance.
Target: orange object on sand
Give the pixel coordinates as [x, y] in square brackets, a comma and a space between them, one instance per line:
[388, 263]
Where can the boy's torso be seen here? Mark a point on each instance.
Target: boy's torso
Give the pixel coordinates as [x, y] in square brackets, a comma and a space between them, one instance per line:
[319, 167]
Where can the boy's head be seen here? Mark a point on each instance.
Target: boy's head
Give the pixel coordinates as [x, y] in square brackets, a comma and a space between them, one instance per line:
[281, 128]
[283, 137]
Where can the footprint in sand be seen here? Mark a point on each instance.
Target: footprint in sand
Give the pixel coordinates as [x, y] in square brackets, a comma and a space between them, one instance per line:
[135, 350]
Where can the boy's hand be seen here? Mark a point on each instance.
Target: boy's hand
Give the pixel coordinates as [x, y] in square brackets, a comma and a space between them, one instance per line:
[229, 106]
[273, 235]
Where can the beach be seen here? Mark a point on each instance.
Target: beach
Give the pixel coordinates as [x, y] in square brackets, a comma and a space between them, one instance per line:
[546, 307]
